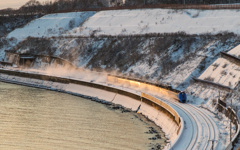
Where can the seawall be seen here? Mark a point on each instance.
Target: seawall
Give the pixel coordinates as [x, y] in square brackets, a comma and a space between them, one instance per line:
[157, 111]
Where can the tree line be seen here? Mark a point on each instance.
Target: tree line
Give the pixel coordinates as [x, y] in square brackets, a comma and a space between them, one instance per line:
[35, 7]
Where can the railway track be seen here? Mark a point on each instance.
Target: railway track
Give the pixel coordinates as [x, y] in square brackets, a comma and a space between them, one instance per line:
[212, 127]
[190, 132]
[200, 129]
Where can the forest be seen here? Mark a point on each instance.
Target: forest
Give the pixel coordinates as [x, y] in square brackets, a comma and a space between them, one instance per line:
[57, 6]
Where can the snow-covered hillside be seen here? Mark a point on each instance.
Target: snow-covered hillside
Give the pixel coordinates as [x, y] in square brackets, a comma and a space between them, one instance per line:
[170, 59]
[51, 25]
[161, 21]
[131, 22]
[225, 72]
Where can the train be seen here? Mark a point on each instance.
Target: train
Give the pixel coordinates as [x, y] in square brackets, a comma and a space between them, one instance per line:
[177, 94]
[182, 96]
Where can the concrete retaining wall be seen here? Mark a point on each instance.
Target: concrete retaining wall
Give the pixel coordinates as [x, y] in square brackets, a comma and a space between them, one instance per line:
[152, 101]
[163, 105]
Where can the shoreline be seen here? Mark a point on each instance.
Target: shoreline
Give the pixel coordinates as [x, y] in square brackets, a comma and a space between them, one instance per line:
[155, 130]
[104, 93]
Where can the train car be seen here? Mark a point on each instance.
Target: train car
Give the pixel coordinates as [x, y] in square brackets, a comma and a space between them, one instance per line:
[182, 97]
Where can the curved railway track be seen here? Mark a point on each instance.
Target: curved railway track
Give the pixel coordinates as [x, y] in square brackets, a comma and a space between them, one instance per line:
[190, 132]
[200, 129]
[212, 127]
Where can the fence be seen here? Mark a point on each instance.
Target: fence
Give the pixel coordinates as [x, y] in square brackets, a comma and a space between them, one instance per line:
[231, 58]
[165, 106]
[210, 83]
[231, 114]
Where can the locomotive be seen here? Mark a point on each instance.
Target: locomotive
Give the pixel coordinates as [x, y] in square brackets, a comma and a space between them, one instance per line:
[182, 97]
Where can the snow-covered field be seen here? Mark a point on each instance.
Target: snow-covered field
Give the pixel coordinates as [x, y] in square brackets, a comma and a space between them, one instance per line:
[51, 25]
[130, 22]
[143, 21]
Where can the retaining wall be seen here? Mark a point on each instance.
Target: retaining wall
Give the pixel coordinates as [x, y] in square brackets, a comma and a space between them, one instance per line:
[156, 103]
[150, 100]
[103, 92]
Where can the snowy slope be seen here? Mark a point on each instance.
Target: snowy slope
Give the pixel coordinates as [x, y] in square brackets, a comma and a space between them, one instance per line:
[130, 22]
[87, 52]
[223, 71]
[143, 21]
[51, 25]
[235, 51]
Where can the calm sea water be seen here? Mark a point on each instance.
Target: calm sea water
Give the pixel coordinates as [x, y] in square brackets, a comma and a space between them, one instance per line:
[39, 119]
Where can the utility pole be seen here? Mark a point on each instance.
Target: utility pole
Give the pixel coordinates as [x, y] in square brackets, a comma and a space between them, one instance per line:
[212, 143]
[230, 117]
[219, 95]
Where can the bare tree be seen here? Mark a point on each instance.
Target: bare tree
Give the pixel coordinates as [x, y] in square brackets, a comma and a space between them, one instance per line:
[32, 6]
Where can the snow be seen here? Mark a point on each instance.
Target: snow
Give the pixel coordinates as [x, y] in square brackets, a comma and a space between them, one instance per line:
[235, 51]
[223, 72]
[177, 77]
[89, 91]
[166, 123]
[51, 25]
[131, 22]
[143, 68]
[126, 102]
[142, 21]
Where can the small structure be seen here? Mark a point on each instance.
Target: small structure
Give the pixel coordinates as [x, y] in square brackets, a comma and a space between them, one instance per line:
[26, 60]
[112, 3]
[5, 64]
[30, 60]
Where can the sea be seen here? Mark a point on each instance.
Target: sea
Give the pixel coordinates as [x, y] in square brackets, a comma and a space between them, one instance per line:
[39, 119]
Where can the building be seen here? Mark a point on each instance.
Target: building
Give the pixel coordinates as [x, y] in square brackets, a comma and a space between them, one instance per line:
[112, 3]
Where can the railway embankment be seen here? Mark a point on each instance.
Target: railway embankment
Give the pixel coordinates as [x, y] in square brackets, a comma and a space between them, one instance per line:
[156, 110]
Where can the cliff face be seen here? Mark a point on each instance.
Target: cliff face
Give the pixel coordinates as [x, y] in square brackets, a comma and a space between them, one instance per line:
[171, 59]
